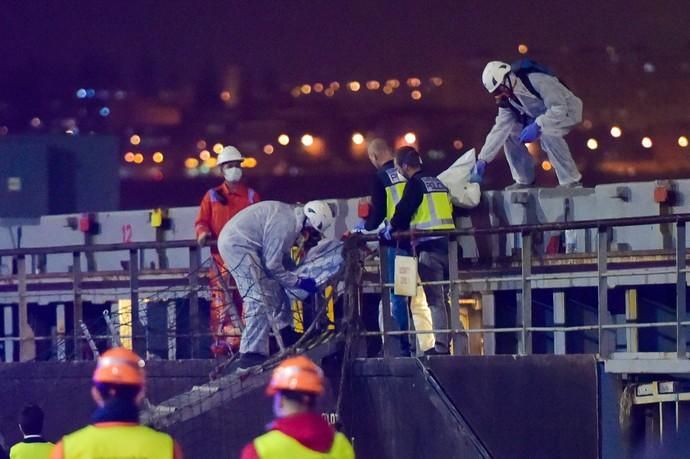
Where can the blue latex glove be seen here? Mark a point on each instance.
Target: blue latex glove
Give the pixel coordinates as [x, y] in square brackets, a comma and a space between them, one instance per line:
[530, 133]
[307, 284]
[359, 226]
[385, 232]
[478, 170]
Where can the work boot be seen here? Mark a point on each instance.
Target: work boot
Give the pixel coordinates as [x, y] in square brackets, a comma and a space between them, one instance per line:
[519, 186]
[571, 185]
[247, 361]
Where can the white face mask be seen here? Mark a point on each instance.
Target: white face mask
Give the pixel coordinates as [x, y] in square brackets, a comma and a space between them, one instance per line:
[232, 174]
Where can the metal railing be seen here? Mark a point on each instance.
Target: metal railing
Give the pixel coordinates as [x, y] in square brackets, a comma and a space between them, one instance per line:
[526, 279]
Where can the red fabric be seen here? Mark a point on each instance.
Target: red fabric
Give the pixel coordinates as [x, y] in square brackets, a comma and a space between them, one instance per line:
[213, 214]
[310, 429]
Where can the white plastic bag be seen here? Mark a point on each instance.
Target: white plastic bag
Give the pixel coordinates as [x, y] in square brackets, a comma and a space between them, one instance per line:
[457, 178]
[405, 281]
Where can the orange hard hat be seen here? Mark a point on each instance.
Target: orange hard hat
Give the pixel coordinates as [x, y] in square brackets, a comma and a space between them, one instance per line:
[119, 366]
[298, 374]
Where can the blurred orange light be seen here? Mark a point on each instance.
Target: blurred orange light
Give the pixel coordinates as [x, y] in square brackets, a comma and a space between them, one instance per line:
[138, 158]
[592, 144]
[357, 138]
[616, 132]
[296, 92]
[458, 144]
[217, 148]
[416, 95]
[318, 87]
[410, 138]
[522, 49]
[306, 89]
[546, 165]
[225, 96]
[201, 144]
[307, 140]
[388, 90]
[135, 140]
[158, 157]
[268, 149]
[129, 157]
[414, 82]
[283, 139]
[191, 163]
[683, 141]
[211, 162]
[329, 92]
[334, 85]
[204, 155]
[354, 86]
[249, 163]
[436, 81]
[647, 142]
[393, 83]
[373, 85]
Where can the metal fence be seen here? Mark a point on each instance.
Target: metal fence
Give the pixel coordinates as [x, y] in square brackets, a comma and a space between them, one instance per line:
[524, 273]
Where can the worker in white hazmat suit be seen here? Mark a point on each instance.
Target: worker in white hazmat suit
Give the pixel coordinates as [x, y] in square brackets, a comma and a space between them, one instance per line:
[532, 105]
[254, 245]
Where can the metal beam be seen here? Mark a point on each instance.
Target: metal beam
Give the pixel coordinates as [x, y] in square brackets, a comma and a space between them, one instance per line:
[631, 334]
[606, 337]
[194, 267]
[525, 307]
[460, 344]
[681, 290]
[488, 321]
[559, 346]
[77, 306]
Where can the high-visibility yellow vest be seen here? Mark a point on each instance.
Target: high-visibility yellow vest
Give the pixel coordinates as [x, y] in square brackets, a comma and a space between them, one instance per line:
[394, 184]
[37, 450]
[122, 442]
[436, 211]
[276, 444]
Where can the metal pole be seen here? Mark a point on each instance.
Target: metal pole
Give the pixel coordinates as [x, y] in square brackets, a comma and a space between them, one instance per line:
[386, 320]
[8, 331]
[488, 321]
[559, 346]
[60, 329]
[77, 304]
[27, 345]
[172, 329]
[525, 310]
[681, 290]
[194, 266]
[631, 334]
[133, 292]
[606, 337]
[459, 339]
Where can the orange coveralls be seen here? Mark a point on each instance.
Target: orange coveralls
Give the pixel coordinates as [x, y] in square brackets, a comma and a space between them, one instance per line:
[218, 206]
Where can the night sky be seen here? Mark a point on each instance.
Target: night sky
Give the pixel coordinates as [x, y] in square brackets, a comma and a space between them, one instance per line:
[308, 40]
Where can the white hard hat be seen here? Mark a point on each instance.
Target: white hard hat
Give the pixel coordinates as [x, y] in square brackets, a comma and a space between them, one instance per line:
[319, 215]
[228, 154]
[493, 75]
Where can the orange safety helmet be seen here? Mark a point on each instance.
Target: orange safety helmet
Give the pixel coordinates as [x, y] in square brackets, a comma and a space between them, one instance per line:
[298, 374]
[120, 366]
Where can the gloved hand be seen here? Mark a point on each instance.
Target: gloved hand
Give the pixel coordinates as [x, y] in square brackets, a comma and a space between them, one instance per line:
[359, 226]
[531, 132]
[386, 232]
[307, 284]
[477, 174]
[203, 238]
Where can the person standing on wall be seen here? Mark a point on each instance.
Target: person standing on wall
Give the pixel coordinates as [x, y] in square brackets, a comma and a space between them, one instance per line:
[218, 206]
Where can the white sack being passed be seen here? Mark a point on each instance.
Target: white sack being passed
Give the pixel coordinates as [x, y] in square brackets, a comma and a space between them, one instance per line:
[457, 178]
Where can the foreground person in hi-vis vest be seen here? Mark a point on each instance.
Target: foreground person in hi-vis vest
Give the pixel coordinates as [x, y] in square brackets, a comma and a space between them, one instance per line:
[298, 431]
[118, 390]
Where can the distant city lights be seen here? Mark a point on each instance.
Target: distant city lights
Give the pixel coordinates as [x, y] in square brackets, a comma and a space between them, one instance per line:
[318, 87]
[458, 144]
[135, 139]
[647, 142]
[436, 81]
[217, 148]
[683, 141]
[225, 96]
[353, 86]
[104, 111]
[191, 163]
[306, 89]
[129, 157]
[138, 158]
[546, 165]
[357, 138]
[414, 82]
[268, 149]
[201, 144]
[373, 85]
[81, 93]
[35, 122]
[416, 95]
[616, 132]
[250, 163]
[307, 140]
[410, 138]
[158, 157]
[592, 144]
[283, 139]
[523, 49]
[204, 155]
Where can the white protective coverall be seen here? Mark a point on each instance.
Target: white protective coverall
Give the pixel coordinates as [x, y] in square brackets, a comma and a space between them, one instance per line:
[254, 245]
[556, 113]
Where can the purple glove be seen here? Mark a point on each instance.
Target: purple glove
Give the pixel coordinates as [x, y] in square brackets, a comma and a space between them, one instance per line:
[530, 133]
[307, 284]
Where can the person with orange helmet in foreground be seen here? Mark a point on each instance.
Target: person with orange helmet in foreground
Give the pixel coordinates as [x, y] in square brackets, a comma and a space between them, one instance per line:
[298, 431]
[118, 390]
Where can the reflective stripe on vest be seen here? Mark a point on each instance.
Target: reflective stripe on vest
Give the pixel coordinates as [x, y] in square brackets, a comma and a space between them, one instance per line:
[435, 212]
[394, 191]
[123, 442]
[276, 444]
